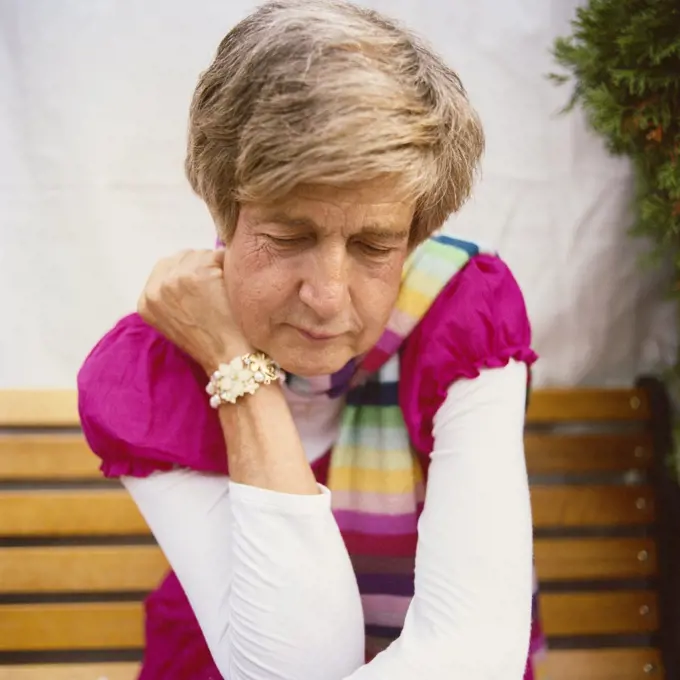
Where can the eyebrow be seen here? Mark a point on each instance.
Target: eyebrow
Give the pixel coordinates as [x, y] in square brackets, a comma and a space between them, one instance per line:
[288, 220]
[386, 234]
[374, 230]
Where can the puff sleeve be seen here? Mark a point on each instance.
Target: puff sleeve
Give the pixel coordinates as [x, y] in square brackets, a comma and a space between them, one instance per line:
[143, 406]
[478, 321]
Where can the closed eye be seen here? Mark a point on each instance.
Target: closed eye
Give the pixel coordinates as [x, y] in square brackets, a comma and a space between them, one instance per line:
[288, 242]
[376, 251]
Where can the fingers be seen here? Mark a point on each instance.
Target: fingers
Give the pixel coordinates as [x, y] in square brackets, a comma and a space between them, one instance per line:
[187, 261]
[175, 268]
[194, 259]
[165, 269]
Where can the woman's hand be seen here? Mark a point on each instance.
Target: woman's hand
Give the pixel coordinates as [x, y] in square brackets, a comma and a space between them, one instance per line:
[186, 300]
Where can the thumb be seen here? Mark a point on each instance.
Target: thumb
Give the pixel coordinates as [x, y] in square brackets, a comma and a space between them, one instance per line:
[220, 257]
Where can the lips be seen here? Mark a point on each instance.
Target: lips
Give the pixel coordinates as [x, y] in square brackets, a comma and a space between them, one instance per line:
[315, 335]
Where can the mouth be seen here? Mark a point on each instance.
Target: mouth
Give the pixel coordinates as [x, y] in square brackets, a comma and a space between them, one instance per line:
[315, 336]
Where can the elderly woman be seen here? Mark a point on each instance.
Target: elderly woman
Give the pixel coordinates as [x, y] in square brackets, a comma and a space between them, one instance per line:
[278, 405]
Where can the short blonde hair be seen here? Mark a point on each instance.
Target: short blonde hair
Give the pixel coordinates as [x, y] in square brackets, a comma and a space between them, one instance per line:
[323, 92]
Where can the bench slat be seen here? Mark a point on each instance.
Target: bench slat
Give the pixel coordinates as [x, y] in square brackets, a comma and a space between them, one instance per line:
[49, 627]
[81, 569]
[608, 613]
[84, 671]
[603, 664]
[112, 512]
[39, 408]
[588, 405]
[594, 558]
[46, 456]
[69, 513]
[572, 454]
[85, 569]
[58, 408]
[25, 627]
[591, 506]
[67, 456]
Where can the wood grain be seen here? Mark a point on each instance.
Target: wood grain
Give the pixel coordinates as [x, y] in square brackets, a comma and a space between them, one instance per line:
[607, 613]
[603, 664]
[112, 512]
[58, 408]
[81, 671]
[119, 625]
[39, 408]
[587, 405]
[31, 627]
[578, 454]
[52, 456]
[81, 569]
[69, 513]
[84, 569]
[592, 506]
[596, 664]
[571, 559]
[67, 456]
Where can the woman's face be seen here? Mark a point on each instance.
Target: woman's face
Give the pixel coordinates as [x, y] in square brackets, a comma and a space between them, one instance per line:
[312, 280]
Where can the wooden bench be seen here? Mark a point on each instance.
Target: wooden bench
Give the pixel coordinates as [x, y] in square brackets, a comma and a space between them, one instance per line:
[76, 558]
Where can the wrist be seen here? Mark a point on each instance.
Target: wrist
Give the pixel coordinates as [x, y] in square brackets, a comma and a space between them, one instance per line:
[223, 353]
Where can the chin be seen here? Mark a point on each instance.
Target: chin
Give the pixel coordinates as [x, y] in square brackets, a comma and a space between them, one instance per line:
[312, 363]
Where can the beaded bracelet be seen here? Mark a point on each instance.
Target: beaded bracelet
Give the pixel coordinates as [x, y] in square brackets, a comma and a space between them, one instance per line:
[242, 375]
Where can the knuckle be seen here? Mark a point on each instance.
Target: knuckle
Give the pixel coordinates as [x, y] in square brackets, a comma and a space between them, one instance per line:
[142, 306]
[153, 296]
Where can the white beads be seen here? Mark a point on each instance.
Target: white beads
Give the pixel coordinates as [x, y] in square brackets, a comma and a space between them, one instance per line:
[242, 375]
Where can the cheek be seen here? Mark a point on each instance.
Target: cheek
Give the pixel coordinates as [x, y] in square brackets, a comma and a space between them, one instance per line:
[375, 309]
[375, 297]
[258, 288]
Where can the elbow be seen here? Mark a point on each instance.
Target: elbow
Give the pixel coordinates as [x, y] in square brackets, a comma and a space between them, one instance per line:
[490, 657]
[512, 653]
[502, 646]
[503, 643]
[328, 644]
[336, 640]
[491, 649]
[329, 656]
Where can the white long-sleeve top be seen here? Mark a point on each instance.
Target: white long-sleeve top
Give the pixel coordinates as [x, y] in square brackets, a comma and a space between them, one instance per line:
[271, 584]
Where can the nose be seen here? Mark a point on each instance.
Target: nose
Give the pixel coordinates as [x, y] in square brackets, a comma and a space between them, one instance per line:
[325, 287]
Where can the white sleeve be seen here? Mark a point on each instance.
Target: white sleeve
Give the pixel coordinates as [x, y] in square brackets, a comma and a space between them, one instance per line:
[470, 618]
[272, 587]
[267, 574]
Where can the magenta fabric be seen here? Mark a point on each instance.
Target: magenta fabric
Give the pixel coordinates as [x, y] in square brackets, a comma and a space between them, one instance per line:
[478, 321]
[143, 408]
[175, 647]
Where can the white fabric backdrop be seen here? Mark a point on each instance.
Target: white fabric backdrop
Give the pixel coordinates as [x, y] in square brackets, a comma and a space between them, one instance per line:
[93, 103]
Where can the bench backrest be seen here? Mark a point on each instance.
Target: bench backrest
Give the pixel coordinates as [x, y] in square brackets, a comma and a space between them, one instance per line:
[591, 457]
[76, 558]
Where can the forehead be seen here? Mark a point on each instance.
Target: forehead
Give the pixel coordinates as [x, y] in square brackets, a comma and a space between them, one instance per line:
[324, 207]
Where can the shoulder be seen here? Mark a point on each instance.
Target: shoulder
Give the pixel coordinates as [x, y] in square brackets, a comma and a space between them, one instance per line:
[143, 406]
[478, 320]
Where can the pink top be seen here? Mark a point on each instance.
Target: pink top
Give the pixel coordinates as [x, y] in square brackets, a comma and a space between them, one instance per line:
[143, 408]
[142, 400]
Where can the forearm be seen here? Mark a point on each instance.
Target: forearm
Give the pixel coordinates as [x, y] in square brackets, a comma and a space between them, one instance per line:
[295, 610]
[264, 447]
[471, 614]
[266, 574]
[295, 606]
